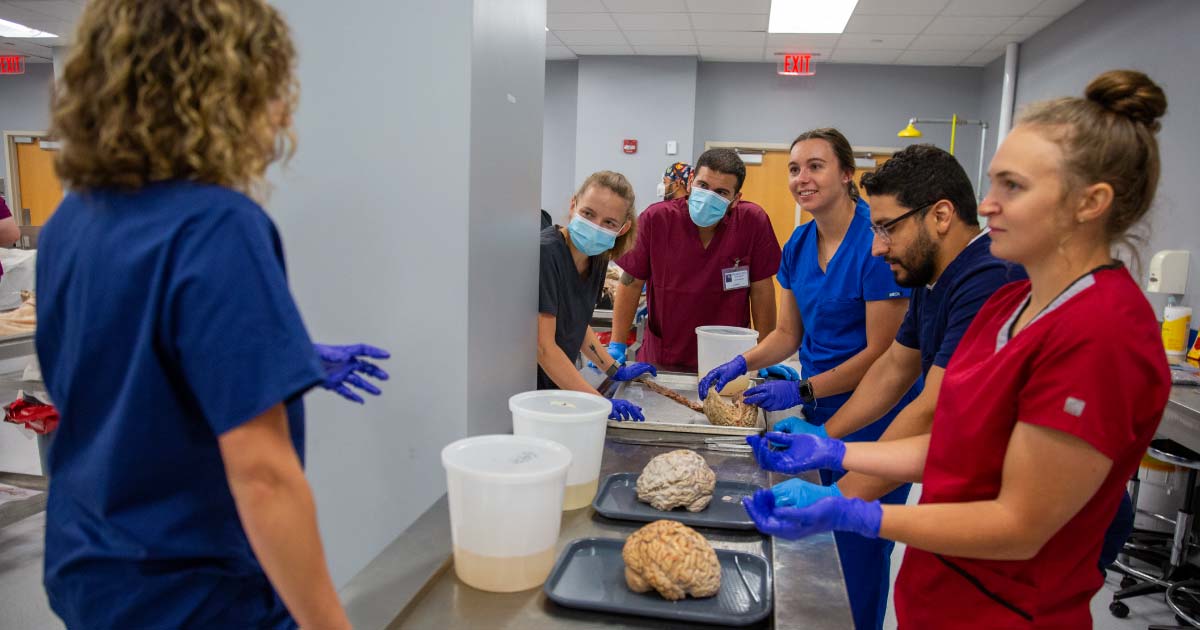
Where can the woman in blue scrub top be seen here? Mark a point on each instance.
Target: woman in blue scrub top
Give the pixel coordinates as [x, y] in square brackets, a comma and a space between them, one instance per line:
[167, 335]
[841, 307]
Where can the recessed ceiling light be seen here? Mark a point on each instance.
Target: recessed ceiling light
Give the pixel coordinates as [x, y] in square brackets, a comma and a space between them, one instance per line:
[12, 29]
[810, 16]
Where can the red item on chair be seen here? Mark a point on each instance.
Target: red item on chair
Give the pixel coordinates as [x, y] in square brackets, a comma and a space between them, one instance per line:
[33, 414]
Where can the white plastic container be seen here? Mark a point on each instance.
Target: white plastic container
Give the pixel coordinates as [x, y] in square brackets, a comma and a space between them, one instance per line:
[577, 421]
[505, 494]
[718, 344]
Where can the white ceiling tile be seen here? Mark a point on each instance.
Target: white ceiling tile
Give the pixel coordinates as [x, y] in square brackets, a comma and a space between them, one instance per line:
[559, 52]
[653, 21]
[969, 25]
[984, 57]
[552, 40]
[895, 24]
[729, 6]
[574, 6]
[1000, 41]
[602, 50]
[1029, 25]
[660, 38]
[932, 57]
[729, 22]
[646, 6]
[1055, 8]
[730, 53]
[21, 16]
[677, 51]
[54, 9]
[864, 40]
[580, 22]
[819, 54]
[872, 55]
[738, 39]
[969, 43]
[801, 41]
[975, 8]
[900, 7]
[592, 38]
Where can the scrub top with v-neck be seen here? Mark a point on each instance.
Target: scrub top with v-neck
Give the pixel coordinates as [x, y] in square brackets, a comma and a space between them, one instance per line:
[684, 279]
[1091, 365]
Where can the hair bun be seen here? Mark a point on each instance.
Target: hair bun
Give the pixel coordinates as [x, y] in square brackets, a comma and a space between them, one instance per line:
[1131, 94]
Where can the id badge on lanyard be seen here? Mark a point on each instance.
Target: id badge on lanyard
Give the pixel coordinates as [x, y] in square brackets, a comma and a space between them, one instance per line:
[735, 277]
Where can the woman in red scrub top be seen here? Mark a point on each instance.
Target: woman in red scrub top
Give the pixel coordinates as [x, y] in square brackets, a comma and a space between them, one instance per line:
[1050, 400]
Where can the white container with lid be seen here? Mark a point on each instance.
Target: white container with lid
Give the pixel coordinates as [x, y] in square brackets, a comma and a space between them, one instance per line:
[719, 344]
[577, 421]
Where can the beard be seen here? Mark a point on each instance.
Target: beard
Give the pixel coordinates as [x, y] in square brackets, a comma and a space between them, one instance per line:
[918, 267]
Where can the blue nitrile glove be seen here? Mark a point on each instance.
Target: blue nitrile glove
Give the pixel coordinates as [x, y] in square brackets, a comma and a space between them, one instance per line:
[625, 410]
[617, 351]
[779, 372]
[341, 364]
[799, 425]
[829, 514]
[634, 370]
[800, 493]
[800, 452]
[721, 375]
[774, 395]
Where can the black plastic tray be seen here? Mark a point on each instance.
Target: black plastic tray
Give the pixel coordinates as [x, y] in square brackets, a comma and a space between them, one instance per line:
[590, 575]
[617, 498]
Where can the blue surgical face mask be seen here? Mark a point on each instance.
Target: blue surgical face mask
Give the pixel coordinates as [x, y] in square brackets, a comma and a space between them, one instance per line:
[590, 238]
[706, 206]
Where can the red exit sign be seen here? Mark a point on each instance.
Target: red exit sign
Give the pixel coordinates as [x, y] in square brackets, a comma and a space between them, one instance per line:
[12, 64]
[796, 65]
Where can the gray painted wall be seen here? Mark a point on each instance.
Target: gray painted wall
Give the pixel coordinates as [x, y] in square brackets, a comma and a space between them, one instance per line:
[25, 102]
[991, 84]
[558, 142]
[651, 99]
[412, 181]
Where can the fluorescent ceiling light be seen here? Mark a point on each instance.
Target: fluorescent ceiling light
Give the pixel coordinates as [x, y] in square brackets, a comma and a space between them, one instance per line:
[12, 29]
[810, 16]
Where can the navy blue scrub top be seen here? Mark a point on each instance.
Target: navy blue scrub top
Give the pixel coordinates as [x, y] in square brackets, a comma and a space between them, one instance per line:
[164, 321]
[833, 305]
[937, 318]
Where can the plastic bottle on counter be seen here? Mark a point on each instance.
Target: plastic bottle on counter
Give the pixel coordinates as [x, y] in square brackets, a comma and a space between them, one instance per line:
[1176, 321]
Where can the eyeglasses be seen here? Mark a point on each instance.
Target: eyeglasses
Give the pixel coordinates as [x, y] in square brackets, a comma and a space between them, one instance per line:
[882, 230]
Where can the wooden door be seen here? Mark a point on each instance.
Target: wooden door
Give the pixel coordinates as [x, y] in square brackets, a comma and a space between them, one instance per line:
[767, 185]
[38, 187]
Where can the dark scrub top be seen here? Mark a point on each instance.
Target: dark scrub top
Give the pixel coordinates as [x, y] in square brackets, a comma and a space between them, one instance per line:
[164, 321]
[566, 295]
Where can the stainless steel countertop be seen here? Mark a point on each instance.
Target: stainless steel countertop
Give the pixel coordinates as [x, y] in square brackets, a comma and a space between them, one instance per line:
[412, 583]
[1181, 420]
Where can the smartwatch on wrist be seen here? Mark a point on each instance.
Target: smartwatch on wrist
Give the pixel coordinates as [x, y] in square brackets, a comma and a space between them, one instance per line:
[806, 391]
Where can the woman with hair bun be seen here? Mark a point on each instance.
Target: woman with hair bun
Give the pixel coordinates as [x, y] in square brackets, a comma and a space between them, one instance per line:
[1037, 428]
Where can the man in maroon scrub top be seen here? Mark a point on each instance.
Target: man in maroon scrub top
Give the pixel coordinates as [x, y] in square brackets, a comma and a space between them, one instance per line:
[706, 259]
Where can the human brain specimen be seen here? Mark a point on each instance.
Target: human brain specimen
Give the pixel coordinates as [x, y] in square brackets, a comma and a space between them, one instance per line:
[673, 559]
[725, 414]
[677, 479]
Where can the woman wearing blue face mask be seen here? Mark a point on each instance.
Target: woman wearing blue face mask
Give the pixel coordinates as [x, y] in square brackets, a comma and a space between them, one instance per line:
[574, 260]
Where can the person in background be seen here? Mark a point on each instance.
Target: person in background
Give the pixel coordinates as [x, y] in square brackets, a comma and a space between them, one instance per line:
[573, 263]
[168, 337]
[704, 259]
[9, 232]
[1037, 429]
[675, 181]
[841, 307]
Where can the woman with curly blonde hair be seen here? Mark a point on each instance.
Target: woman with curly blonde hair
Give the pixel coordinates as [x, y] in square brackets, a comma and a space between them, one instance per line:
[167, 334]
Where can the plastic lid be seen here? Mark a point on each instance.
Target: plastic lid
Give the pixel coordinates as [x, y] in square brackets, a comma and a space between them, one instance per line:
[560, 405]
[515, 458]
[731, 331]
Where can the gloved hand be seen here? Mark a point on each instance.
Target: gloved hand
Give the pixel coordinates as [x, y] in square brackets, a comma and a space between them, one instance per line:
[800, 452]
[799, 425]
[634, 370]
[617, 351]
[341, 364]
[779, 372]
[625, 410]
[829, 514]
[721, 375]
[800, 493]
[774, 395]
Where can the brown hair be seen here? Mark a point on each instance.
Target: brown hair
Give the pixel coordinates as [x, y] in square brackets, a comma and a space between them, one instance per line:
[620, 186]
[1109, 136]
[184, 89]
[841, 150]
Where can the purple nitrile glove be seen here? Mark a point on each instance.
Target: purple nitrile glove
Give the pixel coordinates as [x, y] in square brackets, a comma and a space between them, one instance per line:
[774, 395]
[829, 514]
[721, 375]
[625, 410]
[800, 493]
[800, 452]
[634, 370]
[344, 363]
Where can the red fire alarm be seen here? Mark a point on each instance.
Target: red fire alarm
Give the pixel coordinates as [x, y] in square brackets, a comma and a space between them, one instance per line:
[629, 145]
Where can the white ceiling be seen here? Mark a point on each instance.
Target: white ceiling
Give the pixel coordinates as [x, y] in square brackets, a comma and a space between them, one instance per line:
[51, 16]
[903, 32]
